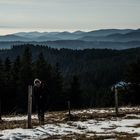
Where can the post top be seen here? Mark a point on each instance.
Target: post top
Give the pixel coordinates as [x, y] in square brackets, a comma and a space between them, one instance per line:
[120, 85]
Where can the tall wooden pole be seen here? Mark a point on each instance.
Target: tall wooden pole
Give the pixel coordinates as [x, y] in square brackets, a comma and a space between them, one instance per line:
[29, 106]
[116, 101]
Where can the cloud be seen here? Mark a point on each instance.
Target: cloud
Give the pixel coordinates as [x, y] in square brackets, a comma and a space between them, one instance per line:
[6, 26]
[68, 13]
[14, 1]
[9, 26]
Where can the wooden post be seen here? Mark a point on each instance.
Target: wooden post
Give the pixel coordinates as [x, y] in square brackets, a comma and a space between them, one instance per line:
[0, 110]
[29, 106]
[69, 110]
[116, 101]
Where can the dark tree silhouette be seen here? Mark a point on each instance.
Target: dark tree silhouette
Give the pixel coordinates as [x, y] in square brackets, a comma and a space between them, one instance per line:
[133, 76]
[1, 86]
[75, 93]
[26, 78]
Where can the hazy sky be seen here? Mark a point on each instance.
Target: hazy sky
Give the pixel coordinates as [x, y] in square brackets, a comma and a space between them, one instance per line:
[71, 15]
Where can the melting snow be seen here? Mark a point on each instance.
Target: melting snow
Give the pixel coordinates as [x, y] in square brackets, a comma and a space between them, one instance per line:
[90, 126]
[18, 118]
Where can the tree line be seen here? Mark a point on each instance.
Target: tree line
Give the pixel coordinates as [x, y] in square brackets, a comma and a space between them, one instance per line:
[82, 76]
[15, 76]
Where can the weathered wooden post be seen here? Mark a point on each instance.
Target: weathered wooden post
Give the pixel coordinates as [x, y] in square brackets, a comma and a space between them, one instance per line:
[69, 110]
[116, 102]
[0, 109]
[29, 106]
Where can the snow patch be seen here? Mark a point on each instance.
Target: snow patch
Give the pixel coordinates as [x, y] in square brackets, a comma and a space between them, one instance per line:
[106, 127]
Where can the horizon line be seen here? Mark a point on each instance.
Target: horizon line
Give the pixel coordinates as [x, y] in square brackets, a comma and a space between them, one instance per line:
[59, 30]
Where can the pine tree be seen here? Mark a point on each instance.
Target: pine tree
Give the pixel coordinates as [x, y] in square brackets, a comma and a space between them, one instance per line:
[42, 68]
[26, 68]
[16, 70]
[133, 72]
[26, 78]
[16, 84]
[8, 96]
[133, 76]
[58, 79]
[57, 96]
[43, 71]
[75, 93]
[1, 86]
[7, 69]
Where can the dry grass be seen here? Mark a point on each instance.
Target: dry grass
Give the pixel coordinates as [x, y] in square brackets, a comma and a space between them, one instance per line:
[94, 137]
[137, 126]
[50, 118]
[16, 124]
[63, 117]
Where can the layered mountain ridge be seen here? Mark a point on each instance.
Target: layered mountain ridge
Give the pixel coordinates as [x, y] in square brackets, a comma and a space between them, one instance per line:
[73, 39]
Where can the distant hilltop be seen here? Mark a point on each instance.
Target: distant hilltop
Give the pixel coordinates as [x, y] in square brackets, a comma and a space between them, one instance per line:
[111, 38]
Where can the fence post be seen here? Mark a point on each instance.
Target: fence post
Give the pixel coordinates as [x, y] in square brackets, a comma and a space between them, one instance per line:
[0, 109]
[69, 110]
[29, 106]
[116, 101]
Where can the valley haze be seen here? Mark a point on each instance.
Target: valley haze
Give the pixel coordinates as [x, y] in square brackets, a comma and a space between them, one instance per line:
[103, 38]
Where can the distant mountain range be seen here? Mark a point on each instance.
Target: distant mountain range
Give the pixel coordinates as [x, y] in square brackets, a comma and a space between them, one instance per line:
[77, 39]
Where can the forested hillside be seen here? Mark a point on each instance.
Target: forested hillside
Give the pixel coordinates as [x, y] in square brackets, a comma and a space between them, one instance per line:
[84, 77]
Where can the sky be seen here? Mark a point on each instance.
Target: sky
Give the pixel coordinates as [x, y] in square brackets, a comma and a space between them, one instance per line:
[67, 15]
